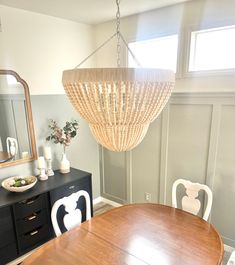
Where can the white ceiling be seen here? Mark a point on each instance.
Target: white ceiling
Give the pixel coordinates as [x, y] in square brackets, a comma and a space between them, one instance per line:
[88, 11]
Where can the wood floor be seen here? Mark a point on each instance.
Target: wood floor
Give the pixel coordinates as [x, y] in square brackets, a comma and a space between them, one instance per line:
[227, 253]
[102, 207]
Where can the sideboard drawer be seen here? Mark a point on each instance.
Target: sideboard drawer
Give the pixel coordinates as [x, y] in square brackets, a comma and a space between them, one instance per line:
[6, 217]
[8, 253]
[35, 237]
[25, 221]
[7, 232]
[28, 223]
[27, 207]
[7, 236]
[69, 189]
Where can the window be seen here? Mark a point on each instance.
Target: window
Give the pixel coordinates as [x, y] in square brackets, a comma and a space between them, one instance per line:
[155, 53]
[212, 49]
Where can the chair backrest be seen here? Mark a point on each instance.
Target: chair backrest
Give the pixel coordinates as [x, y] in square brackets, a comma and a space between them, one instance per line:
[190, 203]
[74, 215]
[1, 148]
[12, 146]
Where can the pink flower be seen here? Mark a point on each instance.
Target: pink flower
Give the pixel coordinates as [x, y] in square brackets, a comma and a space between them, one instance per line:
[64, 135]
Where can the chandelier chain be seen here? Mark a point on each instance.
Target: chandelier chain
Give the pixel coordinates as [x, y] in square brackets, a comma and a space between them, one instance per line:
[118, 33]
[119, 37]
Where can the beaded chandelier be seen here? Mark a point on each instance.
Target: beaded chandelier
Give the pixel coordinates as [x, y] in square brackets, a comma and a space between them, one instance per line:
[118, 103]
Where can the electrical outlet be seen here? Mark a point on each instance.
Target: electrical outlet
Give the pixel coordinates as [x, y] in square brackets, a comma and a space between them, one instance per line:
[147, 196]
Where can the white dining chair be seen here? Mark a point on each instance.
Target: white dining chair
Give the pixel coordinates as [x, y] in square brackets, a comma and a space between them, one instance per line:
[74, 215]
[231, 260]
[12, 146]
[1, 148]
[190, 202]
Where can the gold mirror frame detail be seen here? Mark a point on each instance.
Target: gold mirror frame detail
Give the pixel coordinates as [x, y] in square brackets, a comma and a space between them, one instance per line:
[29, 121]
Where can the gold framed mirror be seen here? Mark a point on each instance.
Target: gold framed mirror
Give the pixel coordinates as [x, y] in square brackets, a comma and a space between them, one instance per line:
[17, 137]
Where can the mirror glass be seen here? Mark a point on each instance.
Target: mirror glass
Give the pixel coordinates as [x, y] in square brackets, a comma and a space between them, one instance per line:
[17, 141]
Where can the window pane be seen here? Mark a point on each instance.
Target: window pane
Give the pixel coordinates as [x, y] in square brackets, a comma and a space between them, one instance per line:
[155, 53]
[212, 49]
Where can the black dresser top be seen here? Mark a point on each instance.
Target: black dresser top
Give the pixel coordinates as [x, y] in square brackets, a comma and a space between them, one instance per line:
[53, 182]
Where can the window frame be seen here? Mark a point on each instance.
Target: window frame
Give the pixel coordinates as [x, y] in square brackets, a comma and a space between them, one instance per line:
[178, 73]
[188, 40]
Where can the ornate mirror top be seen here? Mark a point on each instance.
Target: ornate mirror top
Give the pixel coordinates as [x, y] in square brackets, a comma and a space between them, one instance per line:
[17, 139]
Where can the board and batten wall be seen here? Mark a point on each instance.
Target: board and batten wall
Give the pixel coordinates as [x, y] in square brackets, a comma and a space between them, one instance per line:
[39, 47]
[193, 138]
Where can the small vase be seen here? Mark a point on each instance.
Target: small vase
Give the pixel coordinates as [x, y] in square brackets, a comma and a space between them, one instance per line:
[64, 164]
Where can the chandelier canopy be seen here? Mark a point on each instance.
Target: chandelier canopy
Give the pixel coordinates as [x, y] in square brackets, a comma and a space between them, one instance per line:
[118, 103]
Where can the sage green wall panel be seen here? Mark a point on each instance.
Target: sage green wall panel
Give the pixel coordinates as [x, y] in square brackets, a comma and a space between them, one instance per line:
[83, 153]
[7, 126]
[146, 165]
[223, 214]
[21, 127]
[115, 178]
[13, 122]
[193, 139]
[188, 144]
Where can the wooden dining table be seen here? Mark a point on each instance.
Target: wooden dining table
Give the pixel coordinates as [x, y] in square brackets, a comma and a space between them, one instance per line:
[136, 234]
[4, 156]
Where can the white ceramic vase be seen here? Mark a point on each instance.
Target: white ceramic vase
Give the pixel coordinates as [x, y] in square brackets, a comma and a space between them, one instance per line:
[64, 164]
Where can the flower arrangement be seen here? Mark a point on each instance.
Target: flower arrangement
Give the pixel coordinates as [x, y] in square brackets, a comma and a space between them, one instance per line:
[62, 135]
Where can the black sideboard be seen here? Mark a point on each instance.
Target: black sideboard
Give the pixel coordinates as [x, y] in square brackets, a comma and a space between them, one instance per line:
[25, 221]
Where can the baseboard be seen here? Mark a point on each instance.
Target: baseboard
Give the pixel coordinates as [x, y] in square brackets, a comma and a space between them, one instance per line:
[115, 204]
[101, 199]
[97, 200]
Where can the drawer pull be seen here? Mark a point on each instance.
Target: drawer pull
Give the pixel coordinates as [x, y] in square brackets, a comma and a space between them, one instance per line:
[30, 202]
[71, 187]
[34, 233]
[32, 217]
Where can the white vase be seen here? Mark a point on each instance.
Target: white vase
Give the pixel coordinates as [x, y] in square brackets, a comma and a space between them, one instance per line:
[64, 164]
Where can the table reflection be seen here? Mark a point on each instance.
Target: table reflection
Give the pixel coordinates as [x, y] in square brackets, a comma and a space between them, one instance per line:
[4, 157]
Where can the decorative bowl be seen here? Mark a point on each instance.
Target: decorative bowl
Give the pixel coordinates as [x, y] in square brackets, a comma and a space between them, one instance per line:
[25, 182]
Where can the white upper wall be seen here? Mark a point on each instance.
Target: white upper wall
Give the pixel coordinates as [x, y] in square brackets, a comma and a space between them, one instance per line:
[40, 47]
[181, 18]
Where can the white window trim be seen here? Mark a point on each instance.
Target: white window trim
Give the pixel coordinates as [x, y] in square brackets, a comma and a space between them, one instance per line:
[178, 73]
[205, 73]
